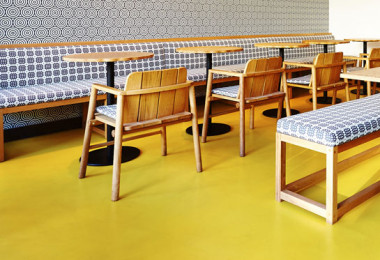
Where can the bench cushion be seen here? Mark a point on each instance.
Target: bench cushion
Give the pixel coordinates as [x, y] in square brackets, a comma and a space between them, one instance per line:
[13, 97]
[337, 124]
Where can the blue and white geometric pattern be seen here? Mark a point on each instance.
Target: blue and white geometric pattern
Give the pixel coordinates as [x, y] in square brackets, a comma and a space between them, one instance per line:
[302, 80]
[335, 125]
[109, 111]
[231, 91]
[21, 67]
[36, 21]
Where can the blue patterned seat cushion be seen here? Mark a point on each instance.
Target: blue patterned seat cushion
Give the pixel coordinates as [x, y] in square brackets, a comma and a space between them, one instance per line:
[231, 91]
[109, 111]
[302, 80]
[20, 96]
[337, 124]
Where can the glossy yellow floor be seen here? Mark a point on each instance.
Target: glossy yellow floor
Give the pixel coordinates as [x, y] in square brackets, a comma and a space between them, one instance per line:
[169, 211]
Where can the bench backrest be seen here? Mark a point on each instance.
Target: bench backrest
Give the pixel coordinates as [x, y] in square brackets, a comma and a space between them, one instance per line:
[44, 65]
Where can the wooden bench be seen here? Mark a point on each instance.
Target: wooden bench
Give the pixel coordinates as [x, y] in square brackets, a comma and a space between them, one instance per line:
[330, 131]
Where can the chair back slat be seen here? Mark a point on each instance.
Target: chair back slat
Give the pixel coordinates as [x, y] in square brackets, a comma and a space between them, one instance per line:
[262, 85]
[374, 58]
[329, 75]
[155, 105]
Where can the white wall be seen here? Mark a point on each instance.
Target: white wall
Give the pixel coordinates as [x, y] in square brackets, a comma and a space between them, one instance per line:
[354, 19]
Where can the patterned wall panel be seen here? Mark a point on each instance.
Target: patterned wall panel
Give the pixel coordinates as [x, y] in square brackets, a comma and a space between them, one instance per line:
[37, 21]
[31, 21]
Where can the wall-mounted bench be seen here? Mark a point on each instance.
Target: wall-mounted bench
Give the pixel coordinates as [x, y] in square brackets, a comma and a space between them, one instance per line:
[34, 76]
[330, 131]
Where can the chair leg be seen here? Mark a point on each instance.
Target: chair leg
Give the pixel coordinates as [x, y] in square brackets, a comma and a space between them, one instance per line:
[164, 150]
[197, 148]
[242, 129]
[84, 114]
[369, 88]
[85, 150]
[252, 117]
[2, 149]
[206, 115]
[280, 106]
[331, 186]
[334, 97]
[347, 89]
[314, 100]
[117, 149]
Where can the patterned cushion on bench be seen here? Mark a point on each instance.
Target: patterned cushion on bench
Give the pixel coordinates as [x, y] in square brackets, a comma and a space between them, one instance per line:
[337, 124]
[21, 67]
[13, 97]
[231, 91]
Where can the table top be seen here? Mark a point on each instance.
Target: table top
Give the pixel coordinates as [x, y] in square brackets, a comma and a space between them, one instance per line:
[372, 75]
[108, 56]
[281, 45]
[209, 49]
[326, 41]
[363, 40]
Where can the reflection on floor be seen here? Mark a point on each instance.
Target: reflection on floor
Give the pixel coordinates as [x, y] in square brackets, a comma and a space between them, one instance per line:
[168, 210]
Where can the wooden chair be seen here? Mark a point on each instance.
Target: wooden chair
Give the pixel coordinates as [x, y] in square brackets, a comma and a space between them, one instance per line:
[258, 84]
[325, 76]
[151, 99]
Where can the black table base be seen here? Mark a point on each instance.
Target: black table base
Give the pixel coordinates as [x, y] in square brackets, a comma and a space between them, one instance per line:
[104, 156]
[272, 113]
[213, 129]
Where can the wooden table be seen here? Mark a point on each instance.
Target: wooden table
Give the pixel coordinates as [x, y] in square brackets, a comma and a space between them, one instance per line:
[104, 156]
[369, 75]
[213, 128]
[281, 46]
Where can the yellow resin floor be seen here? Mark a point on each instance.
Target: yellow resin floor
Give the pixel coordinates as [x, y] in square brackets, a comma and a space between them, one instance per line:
[169, 211]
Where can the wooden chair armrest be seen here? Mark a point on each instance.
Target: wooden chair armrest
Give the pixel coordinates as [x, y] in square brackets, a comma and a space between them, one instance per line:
[107, 89]
[354, 58]
[298, 64]
[226, 72]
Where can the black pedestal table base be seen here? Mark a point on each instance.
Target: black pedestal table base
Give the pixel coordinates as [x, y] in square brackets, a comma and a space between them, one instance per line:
[104, 156]
[272, 113]
[213, 129]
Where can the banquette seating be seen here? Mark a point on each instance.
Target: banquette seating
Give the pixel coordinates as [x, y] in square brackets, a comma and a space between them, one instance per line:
[37, 77]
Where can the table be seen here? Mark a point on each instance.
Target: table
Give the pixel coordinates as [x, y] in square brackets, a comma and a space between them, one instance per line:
[365, 42]
[104, 156]
[281, 47]
[213, 128]
[325, 99]
[369, 75]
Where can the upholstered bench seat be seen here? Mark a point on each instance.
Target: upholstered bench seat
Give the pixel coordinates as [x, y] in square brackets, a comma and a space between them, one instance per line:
[335, 125]
[304, 80]
[21, 96]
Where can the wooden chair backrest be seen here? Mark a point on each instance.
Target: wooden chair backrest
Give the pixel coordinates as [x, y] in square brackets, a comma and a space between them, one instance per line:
[374, 58]
[155, 105]
[328, 68]
[262, 85]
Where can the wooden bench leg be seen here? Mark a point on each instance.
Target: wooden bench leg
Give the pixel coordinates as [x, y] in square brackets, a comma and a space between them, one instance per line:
[331, 185]
[280, 166]
[2, 150]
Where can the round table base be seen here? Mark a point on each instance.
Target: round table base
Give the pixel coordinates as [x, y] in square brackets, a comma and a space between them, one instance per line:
[213, 129]
[326, 100]
[272, 113]
[99, 157]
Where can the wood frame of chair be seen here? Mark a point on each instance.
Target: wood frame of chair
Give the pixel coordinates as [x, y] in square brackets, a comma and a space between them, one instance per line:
[258, 85]
[325, 75]
[151, 99]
